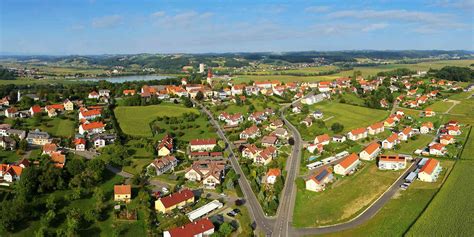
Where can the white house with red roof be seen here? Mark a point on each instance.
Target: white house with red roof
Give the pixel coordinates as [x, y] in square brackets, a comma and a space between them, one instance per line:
[250, 133]
[272, 175]
[92, 128]
[209, 172]
[356, 134]
[370, 152]
[199, 228]
[203, 144]
[390, 141]
[430, 171]
[93, 95]
[392, 162]
[165, 147]
[453, 130]
[80, 144]
[426, 127]
[347, 165]
[446, 139]
[376, 128]
[429, 112]
[437, 149]
[35, 109]
[317, 182]
[405, 134]
[90, 114]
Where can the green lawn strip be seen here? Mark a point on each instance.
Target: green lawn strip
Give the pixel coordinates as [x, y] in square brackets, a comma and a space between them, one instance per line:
[134, 120]
[344, 199]
[409, 146]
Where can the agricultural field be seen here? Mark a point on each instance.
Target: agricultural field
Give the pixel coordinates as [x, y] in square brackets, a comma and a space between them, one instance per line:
[350, 116]
[454, 200]
[400, 212]
[283, 78]
[330, 207]
[134, 120]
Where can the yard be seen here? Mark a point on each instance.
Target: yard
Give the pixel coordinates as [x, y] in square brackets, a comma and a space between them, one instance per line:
[331, 207]
[134, 120]
[421, 141]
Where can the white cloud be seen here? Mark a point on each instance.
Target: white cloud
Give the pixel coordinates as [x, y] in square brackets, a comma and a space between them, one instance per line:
[317, 9]
[373, 27]
[107, 21]
[460, 4]
[158, 14]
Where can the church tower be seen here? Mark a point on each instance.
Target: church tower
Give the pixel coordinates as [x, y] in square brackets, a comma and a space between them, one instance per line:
[209, 76]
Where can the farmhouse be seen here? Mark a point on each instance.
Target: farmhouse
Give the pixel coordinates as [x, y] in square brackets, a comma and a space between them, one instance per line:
[210, 172]
[202, 144]
[347, 165]
[92, 128]
[200, 228]
[357, 134]
[162, 165]
[317, 183]
[430, 171]
[392, 162]
[122, 193]
[370, 152]
[376, 128]
[174, 200]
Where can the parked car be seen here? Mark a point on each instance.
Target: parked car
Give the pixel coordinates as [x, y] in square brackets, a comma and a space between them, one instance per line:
[165, 190]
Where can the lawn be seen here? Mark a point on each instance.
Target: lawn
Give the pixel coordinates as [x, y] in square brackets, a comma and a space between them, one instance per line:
[408, 147]
[331, 207]
[187, 130]
[259, 103]
[350, 116]
[8, 156]
[440, 106]
[451, 212]
[59, 127]
[134, 120]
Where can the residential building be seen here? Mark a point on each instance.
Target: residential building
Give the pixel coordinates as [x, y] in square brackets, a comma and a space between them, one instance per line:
[162, 165]
[92, 128]
[272, 175]
[446, 139]
[200, 228]
[7, 143]
[68, 105]
[166, 146]
[80, 144]
[317, 182]
[174, 200]
[203, 144]
[426, 127]
[204, 210]
[269, 140]
[37, 137]
[4, 128]
[437, 149]
[322, 139]
[209, 172]
[376, 128]
[252, 132]
[430, 171]
[392, 162]
[370, 152]
[90, 114]
[35, 109]
[10, 172]
[405, 134]
[49, 148]
[357, 134]
[347, 165]
[339, 138]
[390, 142]
[122, 193]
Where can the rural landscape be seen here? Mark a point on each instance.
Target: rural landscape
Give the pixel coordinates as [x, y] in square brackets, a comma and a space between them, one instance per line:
[241, 138]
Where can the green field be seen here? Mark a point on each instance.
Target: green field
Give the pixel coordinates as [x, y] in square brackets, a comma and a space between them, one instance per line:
[259, 103]
[8, 156]
[134, 120]
[451, 212]
[440, 106]
[400, 212]
[408, 147]
[350, 116]
[344, 199]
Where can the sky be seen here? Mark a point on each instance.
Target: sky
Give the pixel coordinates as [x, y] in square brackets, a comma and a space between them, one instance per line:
[217, 26]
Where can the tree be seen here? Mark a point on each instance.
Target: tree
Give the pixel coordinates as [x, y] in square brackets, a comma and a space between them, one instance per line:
[23, 145]
[226, 229]
[187, 102]
[337, 127]
[199, 95]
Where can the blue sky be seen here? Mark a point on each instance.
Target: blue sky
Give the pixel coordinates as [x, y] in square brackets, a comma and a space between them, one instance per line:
[103, 26]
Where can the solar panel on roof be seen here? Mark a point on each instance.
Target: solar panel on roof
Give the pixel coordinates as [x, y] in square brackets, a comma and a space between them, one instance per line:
[321, 175]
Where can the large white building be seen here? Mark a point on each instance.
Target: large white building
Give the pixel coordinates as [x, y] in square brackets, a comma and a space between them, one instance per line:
[392, 162]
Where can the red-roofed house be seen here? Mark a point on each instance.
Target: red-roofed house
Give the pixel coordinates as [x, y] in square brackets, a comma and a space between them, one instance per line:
[317, 182]
[10, 173]
[357, 134]
[58, 159]
[174, 200]
[453, 130]
[49, 148]
[122, 193]
[370, 152]
[446, 139]
[392, 162]
[376, 128]
[162, 165]
[347, 165]
[129, 92]
[251, 132]
[165, 147]
[90, 114]
[430, 171]
[429, 112]
[209, 172]
[405, 134]
[390, 122]
[390, 142]
[92, 128]
[35, 109]
[426, 127]
[93, 95]
[437, 149]
[203, 144]
[199, 228]
[80, 144]
[272, 175]
[323, 139]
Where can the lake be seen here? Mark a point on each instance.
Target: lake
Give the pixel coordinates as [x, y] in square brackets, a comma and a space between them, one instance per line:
[122, 79]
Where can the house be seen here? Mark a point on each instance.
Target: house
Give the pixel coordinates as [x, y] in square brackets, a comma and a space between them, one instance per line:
[7, 143]
[93, 95]
[390, 142]
[209, 172]
[10, 172]
[16, 133]
[317, 183]
[129, 92]
[11, 113]
[426, 127]
[296, 108]
[200, 228]
[259, 156]
[237, 89]
[257, 117]
[174, 200]
[347, 165]
[104, 93]
[203, 144]
[80, 144]
[269, 140]
[446, 139]
[307, 122]
[429, 112]
[252, 132]
[453, 130]
[231, 119]
[313, 147]
[272, 175]
[165, 147]
[122, 193]
[4, 128]
[405, 134]
[376, 128]
[56, 107]
[357, 134]
[68, 105]
[35, 109]
[430, 171]
[280, 133]
[37, 137]
[90, 114]
[389, 122]
[339, 138]
[5, 101]
[318, 114]
[370, 152]
[163, 165]
[58, 159]
[276, 123]
[437, 149]
[322, 139]
[52, 112]
[49, 148]
[92, 128]
[392, 162]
